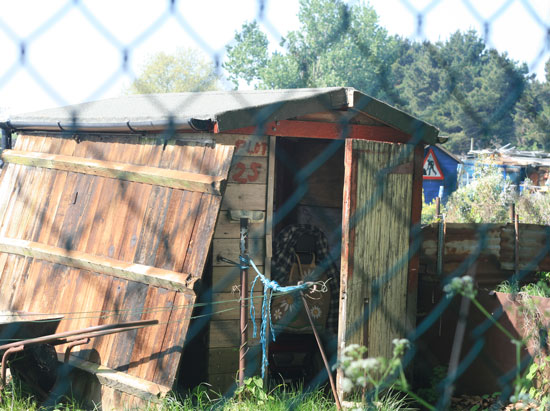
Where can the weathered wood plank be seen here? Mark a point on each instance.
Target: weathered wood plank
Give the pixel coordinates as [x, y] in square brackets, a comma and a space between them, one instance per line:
[229, 248]
[135, 272]
[120, 381]
[227, 279]
[141, 174]
[165, 368]
[248, 170]
[245, 197]
[227, 228]
[245, 145]
[226, 360]
[227, 334]
[226, 305]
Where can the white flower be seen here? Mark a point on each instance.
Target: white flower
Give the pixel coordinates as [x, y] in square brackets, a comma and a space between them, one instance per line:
[288, 303]
[316, 312]
[278, 314]
[401, 345]
[347, 384]
[370, 364]
[461, 285]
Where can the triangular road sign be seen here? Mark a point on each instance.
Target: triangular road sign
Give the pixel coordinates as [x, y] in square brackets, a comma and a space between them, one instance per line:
[432, 170]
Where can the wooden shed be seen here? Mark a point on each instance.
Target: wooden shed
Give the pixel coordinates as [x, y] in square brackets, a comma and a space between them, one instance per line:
[118, 209]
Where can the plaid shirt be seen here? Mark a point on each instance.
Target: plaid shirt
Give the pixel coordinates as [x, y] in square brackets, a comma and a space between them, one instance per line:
[284, 249]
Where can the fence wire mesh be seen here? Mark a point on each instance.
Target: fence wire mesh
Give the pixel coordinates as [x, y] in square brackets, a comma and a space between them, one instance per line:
[461, 85]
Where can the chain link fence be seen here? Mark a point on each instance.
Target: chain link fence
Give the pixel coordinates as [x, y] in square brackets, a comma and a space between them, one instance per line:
[458, 345]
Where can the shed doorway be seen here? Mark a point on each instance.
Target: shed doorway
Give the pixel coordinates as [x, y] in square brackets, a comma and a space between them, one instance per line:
[369, 239]
[309, 183]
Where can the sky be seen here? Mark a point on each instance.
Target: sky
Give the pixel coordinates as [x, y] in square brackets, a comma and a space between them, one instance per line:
[73, 50]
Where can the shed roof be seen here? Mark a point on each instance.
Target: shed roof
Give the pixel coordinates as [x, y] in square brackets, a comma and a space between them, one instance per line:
[228, 110]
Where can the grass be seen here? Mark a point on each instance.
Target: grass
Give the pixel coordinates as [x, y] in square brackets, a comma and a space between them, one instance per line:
[16, 398]
[538, 289]
[282, 398]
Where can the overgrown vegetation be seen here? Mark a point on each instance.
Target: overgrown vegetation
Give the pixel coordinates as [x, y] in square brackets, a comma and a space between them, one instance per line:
[487, 199]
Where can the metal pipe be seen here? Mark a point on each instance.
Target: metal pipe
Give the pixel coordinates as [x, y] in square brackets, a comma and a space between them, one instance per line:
[88, 330]
[516, 245]
[134, 126]
[75, 343]
[5, 360]
[244, 301]
[323, 356]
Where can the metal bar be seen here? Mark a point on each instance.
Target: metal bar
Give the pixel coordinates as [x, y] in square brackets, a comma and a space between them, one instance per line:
[96, 334]
[48, 338]
[5, 360]
[516, 245]
[244, 301]
[320, 345]
[75, 343]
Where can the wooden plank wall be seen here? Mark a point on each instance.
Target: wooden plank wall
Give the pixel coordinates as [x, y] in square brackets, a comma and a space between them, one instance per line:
[129, 221]
[250, 184]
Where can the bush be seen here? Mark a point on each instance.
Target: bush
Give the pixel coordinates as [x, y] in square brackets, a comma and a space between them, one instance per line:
[485, 200]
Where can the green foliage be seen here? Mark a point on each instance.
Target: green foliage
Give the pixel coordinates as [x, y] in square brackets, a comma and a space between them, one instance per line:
[432, 394]
[429, 212]
[185, 70]
[485, 200]
[253, 390]
[460, 85]
[532, 114]
[508, 287]
[538, 289]
[533, 206]
[336, 45]
[378, 379]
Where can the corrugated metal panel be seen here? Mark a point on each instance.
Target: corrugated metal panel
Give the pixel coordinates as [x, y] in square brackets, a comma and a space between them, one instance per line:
[493, 246]
[109, 218]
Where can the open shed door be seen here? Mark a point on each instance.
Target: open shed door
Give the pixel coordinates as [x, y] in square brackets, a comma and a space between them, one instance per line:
[378, 193]
[106, 229]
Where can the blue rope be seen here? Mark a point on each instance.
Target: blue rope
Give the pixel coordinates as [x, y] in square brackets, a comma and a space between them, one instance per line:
[245, 262]
[269, 288]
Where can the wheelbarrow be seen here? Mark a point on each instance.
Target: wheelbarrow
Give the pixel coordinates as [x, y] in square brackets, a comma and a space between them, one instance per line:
[29, 334]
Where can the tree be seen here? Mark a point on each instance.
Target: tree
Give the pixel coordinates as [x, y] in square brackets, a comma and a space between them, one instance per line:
[460, 86]
[336, 45]
[532, 115]
[465, 89]
[185, 70]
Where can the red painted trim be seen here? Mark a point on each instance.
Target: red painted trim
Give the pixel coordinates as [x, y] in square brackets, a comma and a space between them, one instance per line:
[437, 166]
[332, 131]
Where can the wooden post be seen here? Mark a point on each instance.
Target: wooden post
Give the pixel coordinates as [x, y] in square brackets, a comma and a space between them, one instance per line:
[516, 245]
[512, 212]
[244, 302]
[437, 206]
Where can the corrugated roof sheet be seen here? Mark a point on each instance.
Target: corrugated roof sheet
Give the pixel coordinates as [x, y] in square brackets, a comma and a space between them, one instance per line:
[229, 109]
